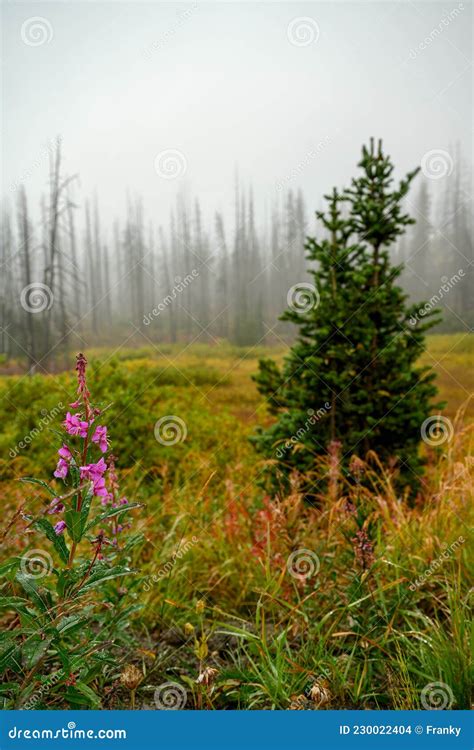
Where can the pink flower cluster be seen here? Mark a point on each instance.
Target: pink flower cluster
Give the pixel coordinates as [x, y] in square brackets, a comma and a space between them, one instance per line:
[79, 425]
[100, 437]
[75, 425]
[62, 468]
[95, 474]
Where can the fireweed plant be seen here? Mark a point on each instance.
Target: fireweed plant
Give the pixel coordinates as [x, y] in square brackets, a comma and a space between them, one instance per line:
[68, 614]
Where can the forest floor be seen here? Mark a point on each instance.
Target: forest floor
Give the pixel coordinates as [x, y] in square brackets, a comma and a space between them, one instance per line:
[271, 594]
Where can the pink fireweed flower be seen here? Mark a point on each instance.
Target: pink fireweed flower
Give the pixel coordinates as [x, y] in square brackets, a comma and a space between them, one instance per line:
[59, 527]
[63, 464]
[75, 425]
[94, 473]
[99, 488]
[57, 506]
[61, 469]
[65, 453]
[100, 437]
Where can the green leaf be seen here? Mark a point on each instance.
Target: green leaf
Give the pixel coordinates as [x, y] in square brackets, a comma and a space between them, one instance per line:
[104, 575]
[8, 687]
[33, 649]
[82, 695]
[93, 672]
[133, 540]
[10, 565]
[9, 651]
[74, 525]
[32, 480]
[111, 513]
[75, 475]
[42, 598]
[58, 541]
[86, 504]
[23, 607]
[15, 603]
[64, 656]
[66, 578]
[71, 623]
[88, 693]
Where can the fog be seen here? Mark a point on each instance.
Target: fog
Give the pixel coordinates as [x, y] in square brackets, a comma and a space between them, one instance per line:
[178, 152]
[229, 87]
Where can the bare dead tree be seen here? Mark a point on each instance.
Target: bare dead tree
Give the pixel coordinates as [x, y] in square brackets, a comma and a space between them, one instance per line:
[92, 294]
[24, 230]
[172, 318]
[53, 221]
[6, 284]
[58, 204]
[77, 283]
[222, 287]
[107, 287]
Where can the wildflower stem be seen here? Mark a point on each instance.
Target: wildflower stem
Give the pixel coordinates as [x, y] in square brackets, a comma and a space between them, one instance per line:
[87, 573]
[71, 555]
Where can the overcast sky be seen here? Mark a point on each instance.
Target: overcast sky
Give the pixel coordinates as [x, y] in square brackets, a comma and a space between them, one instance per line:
[285, 91]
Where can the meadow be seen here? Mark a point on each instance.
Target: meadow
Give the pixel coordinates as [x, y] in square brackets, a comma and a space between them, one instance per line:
[238, 599]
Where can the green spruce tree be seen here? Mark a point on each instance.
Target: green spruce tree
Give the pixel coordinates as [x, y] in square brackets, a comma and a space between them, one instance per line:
[350, 383]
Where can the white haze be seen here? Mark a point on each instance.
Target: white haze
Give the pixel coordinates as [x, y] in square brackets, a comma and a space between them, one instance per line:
[221, 83]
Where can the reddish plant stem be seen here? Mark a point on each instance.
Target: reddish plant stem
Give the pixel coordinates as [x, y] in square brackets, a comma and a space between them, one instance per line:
[88, 571]
[83, 462]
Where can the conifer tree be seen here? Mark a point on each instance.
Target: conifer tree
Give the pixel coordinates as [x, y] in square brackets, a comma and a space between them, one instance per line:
[350, 383]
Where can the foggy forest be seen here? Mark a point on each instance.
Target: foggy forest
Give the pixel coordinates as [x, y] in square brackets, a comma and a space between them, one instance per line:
[236, 373]
[189, 280]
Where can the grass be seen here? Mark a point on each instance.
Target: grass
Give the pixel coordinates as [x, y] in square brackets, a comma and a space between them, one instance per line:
[213, 587]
